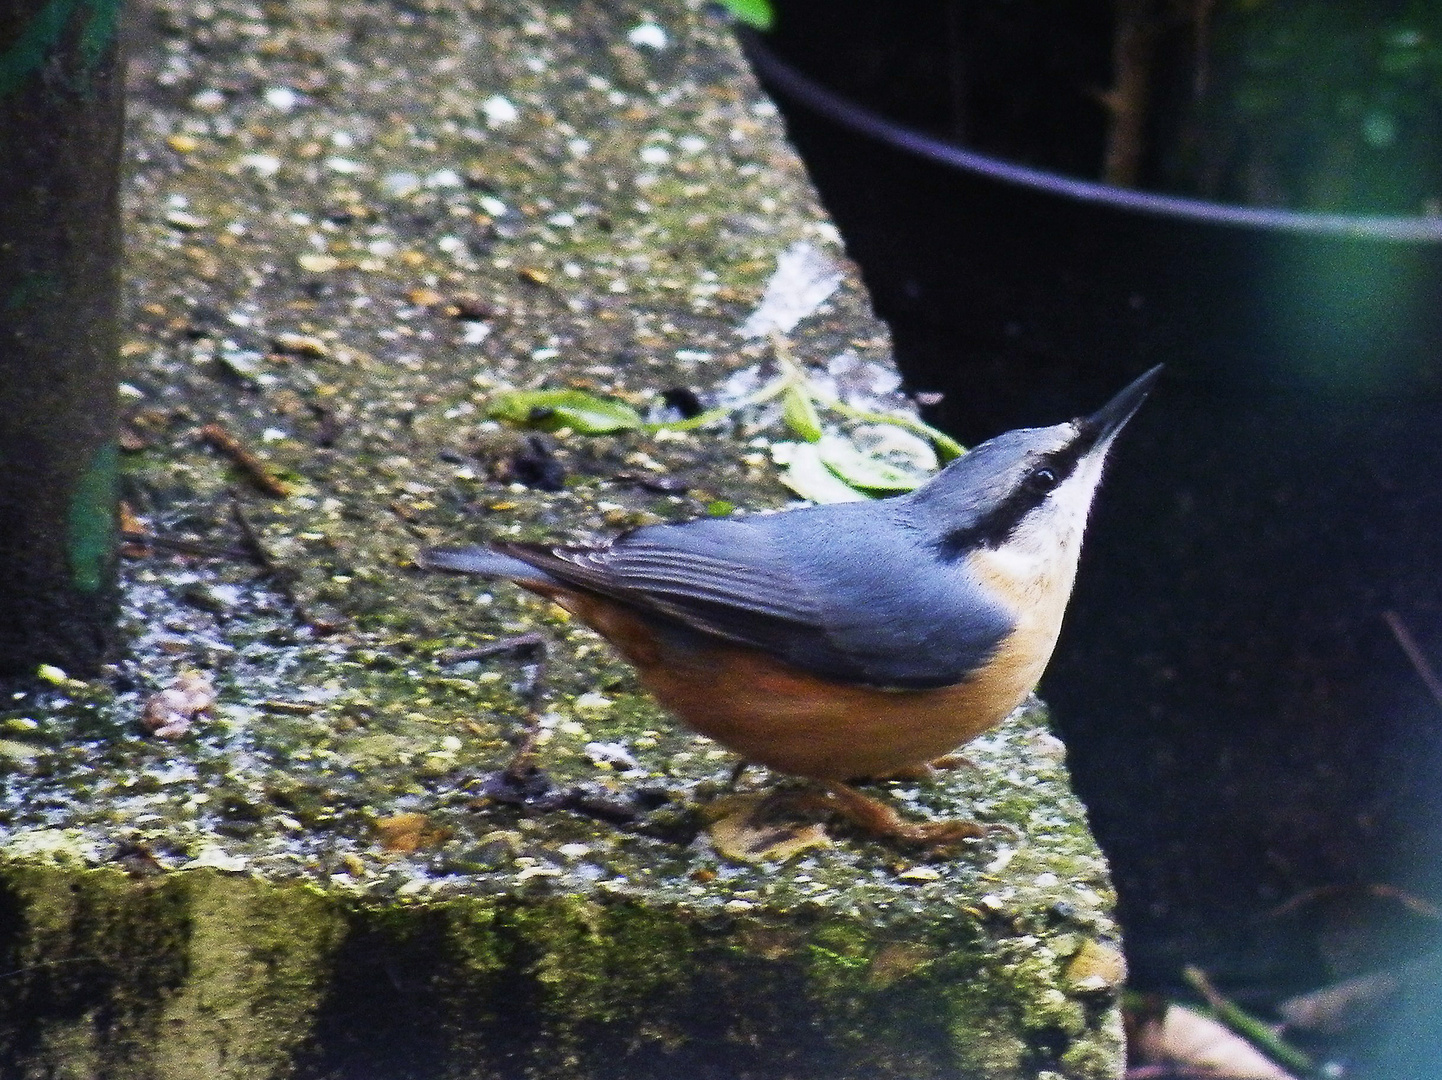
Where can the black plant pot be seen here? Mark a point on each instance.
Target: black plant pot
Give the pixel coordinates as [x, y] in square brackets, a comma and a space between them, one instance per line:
[1243, 721]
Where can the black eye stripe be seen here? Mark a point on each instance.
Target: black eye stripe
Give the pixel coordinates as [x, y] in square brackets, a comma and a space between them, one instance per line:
[1063, 462]
[995, 527]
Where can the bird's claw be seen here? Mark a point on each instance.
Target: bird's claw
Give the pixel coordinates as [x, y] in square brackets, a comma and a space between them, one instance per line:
[881, 820]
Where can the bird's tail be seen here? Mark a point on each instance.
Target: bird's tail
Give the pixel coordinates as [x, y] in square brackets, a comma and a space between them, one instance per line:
[478, 560]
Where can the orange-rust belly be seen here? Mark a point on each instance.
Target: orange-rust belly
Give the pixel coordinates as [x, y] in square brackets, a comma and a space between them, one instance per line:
[777, 715]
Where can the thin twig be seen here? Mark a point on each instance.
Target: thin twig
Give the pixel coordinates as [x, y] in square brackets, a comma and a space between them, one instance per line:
[1414, 653]
[256, 470]
[183, 547]
[283, 577]
[1246, 1025]
[523, 761]
[254, 545]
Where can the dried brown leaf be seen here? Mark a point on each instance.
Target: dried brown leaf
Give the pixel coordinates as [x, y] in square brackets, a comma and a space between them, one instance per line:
[747, 832]
[169, 713]
[1185, 1037]
[406, 833]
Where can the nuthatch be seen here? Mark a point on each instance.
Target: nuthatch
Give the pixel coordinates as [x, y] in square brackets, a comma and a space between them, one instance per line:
[853, 640]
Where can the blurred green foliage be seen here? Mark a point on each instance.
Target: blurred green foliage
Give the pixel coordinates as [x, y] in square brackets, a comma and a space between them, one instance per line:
[757, 13]
[1313, 104]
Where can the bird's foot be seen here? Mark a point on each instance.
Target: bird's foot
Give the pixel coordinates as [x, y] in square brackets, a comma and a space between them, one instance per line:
[947, 762]
[523, 761]
[928, 770]
[877, 818]
[736, 773]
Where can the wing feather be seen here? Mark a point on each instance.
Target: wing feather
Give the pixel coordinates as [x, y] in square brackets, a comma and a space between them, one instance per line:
[672, 581]
[830, 597]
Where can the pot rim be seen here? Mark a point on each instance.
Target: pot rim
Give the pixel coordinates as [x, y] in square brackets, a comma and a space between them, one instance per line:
[774, 72]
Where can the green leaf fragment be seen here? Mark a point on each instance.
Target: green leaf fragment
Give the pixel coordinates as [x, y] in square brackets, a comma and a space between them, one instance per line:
[798, 412]
[55, 676]
[18, 751]
[757, 13]
[803, 471]
[861, 470]
[551, 410]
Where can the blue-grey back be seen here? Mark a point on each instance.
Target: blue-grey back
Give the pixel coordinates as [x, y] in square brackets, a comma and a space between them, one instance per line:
[853, 592]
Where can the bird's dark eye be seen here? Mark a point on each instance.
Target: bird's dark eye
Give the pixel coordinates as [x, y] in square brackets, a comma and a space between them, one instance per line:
[1042, 479]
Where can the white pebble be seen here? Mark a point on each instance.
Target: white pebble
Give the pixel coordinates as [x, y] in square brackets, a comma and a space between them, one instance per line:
[648, 36]
[499, 111]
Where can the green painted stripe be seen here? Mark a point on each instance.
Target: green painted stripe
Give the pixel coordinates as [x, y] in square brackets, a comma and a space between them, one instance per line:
[92, 520]
[99, 31]
[34, 45]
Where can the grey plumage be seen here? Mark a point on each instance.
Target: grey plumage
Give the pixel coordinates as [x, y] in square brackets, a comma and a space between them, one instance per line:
[871, 593]
[483, 561]
[817, 587]
[821, 587]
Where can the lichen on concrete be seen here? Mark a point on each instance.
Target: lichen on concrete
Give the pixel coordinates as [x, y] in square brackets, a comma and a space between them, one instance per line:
[351, 224]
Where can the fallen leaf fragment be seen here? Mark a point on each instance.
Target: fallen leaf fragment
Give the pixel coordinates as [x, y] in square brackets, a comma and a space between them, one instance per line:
[15, 750]
[746, 831]
[131, 529]
[1184, 1037]
[803, 471]
[406, 833]
[169, 713]
[917, 875]
[301, 345]
[550, 410]
[862, 470]
[799, 414]
[317, 263]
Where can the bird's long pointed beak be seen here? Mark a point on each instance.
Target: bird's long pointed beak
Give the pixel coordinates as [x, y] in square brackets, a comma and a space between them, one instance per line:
[1110, 418]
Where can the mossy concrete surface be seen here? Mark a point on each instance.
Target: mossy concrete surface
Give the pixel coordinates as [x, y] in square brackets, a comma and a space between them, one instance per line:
[351, 224]
[116, 968]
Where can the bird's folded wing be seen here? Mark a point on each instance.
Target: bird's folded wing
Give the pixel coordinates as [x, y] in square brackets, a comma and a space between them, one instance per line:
[901, 640]
[685, 585]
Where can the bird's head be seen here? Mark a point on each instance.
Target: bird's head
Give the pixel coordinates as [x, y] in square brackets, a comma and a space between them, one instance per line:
[1026, 492]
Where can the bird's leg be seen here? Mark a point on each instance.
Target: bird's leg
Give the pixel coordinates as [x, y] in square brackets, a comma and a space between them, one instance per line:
[906, 773]
[876, 817]
[736, 774]
[523, 761]
[927, 770]
[951, 761]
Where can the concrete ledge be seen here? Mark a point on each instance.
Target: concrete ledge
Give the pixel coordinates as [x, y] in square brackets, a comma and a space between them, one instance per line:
[351, 222]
